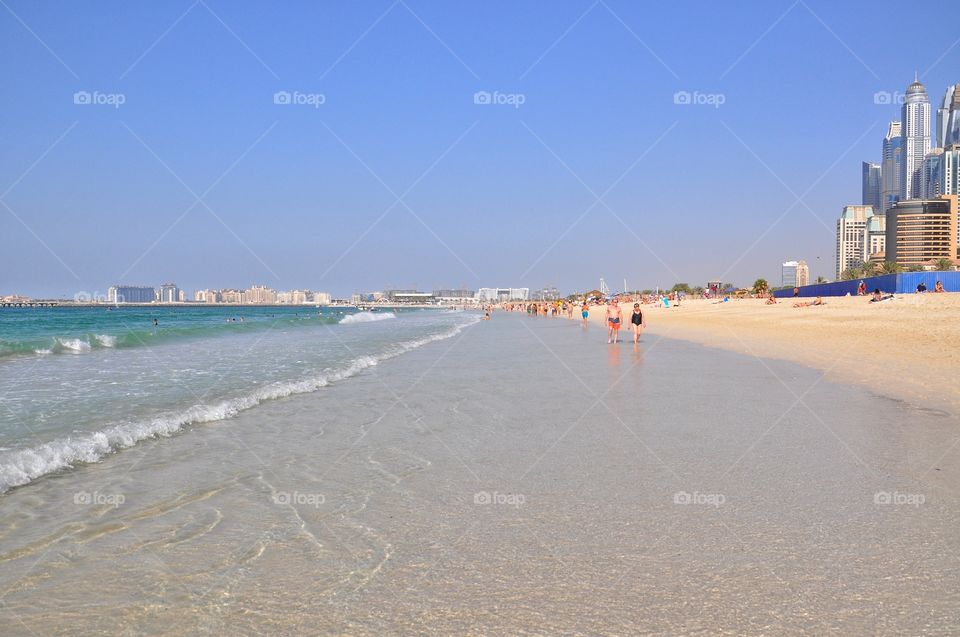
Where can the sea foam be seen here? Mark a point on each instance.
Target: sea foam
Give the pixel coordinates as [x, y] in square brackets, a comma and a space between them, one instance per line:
[366, 317]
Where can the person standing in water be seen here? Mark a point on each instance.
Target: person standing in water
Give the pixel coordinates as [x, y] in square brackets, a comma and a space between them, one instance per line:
[638, 322]
[585, 312]
[614, 320]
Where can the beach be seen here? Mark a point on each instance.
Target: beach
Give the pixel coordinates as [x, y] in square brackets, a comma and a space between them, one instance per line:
[908, 347]
[517, 476]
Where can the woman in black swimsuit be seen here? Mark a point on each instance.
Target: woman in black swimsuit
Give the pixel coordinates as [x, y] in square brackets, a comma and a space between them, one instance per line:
[638, 322]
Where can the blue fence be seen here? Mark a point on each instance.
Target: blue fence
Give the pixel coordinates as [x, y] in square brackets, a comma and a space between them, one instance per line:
[903, 283]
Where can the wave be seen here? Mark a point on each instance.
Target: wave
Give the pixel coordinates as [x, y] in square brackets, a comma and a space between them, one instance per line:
[23, 466]
[367, 317]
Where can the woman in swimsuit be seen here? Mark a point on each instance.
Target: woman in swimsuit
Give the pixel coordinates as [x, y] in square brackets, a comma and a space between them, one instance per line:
[638, 322]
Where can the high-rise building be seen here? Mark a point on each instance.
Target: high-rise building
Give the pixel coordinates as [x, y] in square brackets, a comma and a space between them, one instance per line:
[950, 175]
[874, 239]
[922, 230]
[850, 230]
[131, 294]
[932, 174]
[870, 185]
[943, 118]
[322, 298]
[952, 135]
[891, 167]
[169, 293]
[503, 294]
[915, 121]
[794, 274]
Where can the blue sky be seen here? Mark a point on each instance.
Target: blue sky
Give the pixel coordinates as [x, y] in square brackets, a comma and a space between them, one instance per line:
[399, 179]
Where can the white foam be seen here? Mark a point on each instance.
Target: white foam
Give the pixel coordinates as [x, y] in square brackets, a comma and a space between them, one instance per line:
[73, 344]
[22, 466]
[366, 317]
[106, 340]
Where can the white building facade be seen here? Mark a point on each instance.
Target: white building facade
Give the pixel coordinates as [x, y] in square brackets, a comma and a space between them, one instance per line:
[850, 233]
[915, 122]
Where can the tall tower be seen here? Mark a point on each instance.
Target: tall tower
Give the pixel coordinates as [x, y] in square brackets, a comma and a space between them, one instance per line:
[891, 167]
[943, 117]
[915, 119]
[870, 186]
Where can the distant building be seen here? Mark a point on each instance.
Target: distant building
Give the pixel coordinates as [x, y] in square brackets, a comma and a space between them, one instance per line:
[850, 231]
[260, 295]
[497, 295]
[206, 296]
[915, 118]
[891, 167]
[454, 296]
[922, 230]
[182, 297]
[130, 294]
[322, 298]
[169, 293]
[874, 238]
[232, 296]
[932, 174]
[870, 185]
[945, 133]
[546, 294]
[794, 274]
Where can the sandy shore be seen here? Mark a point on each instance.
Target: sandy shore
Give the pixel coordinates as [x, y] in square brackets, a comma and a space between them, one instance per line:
[908, 348]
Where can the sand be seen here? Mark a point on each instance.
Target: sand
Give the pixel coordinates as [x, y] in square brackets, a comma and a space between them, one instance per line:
[908, 348]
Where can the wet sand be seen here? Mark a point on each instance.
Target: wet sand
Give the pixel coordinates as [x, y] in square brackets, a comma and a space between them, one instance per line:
[521, 478]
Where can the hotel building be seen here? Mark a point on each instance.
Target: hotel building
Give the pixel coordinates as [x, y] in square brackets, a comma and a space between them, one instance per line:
[875, 239]
[850, 232]
[922, 230]
[131, 294]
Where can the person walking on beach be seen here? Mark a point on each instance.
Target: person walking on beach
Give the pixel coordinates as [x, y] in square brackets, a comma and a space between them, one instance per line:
[585, 312]
[614, 320]
[638, 322]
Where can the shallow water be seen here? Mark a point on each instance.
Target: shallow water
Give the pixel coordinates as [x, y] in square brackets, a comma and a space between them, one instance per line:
[520, 477]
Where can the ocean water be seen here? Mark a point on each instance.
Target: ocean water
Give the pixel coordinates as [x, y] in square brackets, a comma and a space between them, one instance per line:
[77, 384]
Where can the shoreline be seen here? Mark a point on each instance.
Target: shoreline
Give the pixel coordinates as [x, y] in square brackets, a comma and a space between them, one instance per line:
[907, 348]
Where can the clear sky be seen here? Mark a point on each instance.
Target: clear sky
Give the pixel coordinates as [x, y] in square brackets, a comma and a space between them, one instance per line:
[399, 179]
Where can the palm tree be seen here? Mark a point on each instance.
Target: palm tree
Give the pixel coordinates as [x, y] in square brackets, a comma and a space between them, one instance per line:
[856, 272]
[760, 287]
[820, 279]
[891, 267]
[944, 265]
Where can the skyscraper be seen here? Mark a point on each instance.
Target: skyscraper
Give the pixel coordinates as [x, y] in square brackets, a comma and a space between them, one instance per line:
[891, 167]
[932, 175]
[870, 186]
[915, 120]
[943, 117]
[850, 235]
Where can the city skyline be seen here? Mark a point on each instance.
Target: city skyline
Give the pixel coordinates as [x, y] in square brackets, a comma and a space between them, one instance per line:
[305, 155]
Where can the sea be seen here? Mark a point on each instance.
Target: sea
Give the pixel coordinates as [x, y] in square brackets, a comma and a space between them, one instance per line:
[80, 383]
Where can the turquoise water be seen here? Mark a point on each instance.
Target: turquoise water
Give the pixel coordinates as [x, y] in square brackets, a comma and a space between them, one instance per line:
[79, 383]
